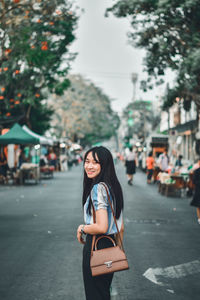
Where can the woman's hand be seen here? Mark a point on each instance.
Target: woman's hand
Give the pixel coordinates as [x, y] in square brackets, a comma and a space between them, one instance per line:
[79, 235]
[100, 227]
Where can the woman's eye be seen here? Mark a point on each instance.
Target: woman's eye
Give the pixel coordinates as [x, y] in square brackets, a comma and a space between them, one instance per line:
[92, 162]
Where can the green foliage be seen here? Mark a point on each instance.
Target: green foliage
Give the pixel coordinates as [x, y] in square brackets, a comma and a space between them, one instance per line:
[141, 118]
[169, 31]
[84, 112]
[34, 57]
[61, 87]
[40, 117]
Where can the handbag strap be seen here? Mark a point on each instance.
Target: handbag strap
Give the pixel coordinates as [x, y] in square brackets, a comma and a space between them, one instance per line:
[94, 235]
[113, 215]
[94, 221]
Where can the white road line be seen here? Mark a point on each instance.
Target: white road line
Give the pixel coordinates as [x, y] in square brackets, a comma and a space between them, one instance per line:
[113, 294]
[177, 271]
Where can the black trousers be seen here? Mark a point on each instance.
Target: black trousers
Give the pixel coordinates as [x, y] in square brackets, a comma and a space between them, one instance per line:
[98, 287]
[149, 174]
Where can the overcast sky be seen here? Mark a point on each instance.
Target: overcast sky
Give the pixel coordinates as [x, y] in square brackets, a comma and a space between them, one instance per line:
[104, 55]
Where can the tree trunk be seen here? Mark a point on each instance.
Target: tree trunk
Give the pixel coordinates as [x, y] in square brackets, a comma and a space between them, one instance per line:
[28, 116]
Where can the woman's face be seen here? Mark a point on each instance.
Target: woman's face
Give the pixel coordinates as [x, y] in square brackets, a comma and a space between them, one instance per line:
[92, 168]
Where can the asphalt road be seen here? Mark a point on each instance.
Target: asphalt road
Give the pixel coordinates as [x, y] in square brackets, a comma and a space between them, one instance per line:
[40, 258]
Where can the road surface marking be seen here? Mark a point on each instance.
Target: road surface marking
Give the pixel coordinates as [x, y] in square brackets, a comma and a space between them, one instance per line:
[177, 271]
[113, 293]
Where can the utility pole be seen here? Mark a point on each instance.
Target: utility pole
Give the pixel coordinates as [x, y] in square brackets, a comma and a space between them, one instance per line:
[134, 78]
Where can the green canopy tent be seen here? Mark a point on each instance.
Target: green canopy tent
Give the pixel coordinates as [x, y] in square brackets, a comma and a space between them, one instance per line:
[17, 135]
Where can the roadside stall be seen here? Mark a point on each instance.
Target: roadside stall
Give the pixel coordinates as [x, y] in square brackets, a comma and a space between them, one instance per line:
[172, 184]
[157, 143]
[39, 155]
[43, 140]
[27, 170]
[175, 182]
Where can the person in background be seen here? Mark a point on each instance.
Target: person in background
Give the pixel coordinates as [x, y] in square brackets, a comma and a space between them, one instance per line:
[63, 162]
[115, 157]
[140, 160]
[3, 164]
[179, 161]
[130, 164]
[196, 198]
[163, 161]
[43, 161]
[150, 167]
[52, 158]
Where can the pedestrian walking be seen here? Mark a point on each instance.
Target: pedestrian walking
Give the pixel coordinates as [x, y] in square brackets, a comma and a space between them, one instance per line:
[130, 164]
[196, 198]
[163, 161]
[150, 167]
[99, 170]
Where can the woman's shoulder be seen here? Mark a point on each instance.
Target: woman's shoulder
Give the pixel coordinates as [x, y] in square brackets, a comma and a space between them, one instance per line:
[99, 193]
[100, 188]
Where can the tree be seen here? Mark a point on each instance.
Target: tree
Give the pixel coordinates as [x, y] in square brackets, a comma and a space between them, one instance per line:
[140, 119]
[34, 58]
[169, 31]
[84, 112]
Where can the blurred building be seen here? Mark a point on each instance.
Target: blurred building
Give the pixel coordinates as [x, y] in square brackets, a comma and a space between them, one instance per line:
[182, 127]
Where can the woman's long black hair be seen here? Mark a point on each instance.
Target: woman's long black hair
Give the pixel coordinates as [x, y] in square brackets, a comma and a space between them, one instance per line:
[107, 175]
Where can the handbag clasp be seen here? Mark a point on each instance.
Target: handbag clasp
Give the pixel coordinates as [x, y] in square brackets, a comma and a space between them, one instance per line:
[108, 264]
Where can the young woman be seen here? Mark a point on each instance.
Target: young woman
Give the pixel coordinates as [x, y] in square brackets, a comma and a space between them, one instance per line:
[99, 170]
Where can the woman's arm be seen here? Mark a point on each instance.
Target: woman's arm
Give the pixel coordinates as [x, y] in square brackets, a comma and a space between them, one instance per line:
[100, 227]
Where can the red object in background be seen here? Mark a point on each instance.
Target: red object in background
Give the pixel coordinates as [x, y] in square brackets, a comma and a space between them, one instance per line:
[5, 130]
[47, 168]
[7, 51]
[44, 45]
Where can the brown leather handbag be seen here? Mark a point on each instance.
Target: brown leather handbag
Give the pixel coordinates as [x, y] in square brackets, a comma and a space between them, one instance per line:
[107, 260]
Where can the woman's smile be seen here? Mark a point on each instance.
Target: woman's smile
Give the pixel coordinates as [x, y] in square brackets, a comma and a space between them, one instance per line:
[92, 166]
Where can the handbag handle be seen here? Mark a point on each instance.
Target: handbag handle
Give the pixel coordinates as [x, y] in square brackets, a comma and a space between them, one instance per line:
[104, 236]
[94, 221]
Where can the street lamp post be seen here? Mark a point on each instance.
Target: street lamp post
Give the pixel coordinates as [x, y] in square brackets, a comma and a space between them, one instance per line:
[134, 78]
